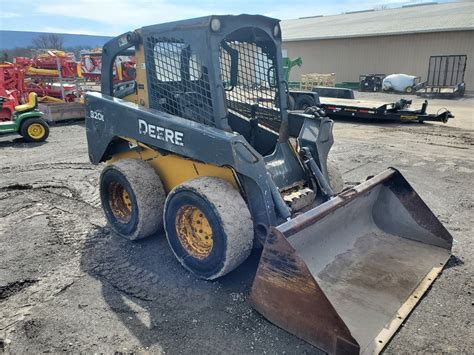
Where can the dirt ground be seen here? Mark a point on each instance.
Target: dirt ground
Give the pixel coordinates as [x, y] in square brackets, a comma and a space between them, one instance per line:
[67, 283]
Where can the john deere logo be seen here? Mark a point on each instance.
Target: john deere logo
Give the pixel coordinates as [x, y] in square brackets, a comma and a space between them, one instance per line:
[160, 133]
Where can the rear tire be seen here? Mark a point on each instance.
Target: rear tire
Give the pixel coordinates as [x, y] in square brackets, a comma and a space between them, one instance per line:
[132, 198]
[208, 226]
[34, 129]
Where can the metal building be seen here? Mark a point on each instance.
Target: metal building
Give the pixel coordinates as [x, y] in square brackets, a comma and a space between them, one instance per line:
[387, 41]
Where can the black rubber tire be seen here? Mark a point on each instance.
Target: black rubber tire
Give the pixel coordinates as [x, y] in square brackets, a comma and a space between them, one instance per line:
[304, 101]
[335, 176]
[27, 123]
[409, 89]
[228, 217]
[146, 193]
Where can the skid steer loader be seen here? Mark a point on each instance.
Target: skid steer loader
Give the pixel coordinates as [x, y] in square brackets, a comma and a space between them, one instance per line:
[204, 146]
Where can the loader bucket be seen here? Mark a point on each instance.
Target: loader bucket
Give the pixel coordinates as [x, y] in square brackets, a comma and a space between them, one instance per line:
[344, 275]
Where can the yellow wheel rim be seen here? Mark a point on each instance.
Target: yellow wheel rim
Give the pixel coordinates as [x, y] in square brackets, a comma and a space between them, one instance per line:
[126, 199]
[120, 202]
[36, 131]
[194, 232]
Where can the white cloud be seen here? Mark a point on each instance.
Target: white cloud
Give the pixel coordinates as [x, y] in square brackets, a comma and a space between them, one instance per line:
[111, 17]
[82, 31]
[123, 15]
[5, 14]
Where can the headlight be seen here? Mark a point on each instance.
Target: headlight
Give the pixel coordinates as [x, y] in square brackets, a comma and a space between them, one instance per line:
[215, 24]
[276, 30]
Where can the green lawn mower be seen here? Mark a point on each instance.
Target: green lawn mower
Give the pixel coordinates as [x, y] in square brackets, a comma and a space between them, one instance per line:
[27, 120]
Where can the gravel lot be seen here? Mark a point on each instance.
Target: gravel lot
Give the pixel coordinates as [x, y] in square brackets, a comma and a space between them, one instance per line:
[68, 284]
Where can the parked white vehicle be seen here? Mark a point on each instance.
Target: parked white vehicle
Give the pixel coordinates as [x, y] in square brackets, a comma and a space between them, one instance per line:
[399, 82]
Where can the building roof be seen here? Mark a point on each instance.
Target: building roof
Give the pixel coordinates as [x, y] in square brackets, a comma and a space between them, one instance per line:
[409, 19]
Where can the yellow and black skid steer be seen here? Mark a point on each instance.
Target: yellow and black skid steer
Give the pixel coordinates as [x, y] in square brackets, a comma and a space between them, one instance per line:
[202, 144]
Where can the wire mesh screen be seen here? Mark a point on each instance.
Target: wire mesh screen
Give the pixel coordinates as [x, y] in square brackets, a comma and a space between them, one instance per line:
[446, 70]
[249, 78]
[179, 82]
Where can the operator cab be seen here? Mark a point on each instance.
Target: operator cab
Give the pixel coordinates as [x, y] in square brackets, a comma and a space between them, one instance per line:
[232, 84]
[225, 72]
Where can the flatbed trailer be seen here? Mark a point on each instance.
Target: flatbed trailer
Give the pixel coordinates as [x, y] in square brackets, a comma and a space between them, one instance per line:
[398, 111]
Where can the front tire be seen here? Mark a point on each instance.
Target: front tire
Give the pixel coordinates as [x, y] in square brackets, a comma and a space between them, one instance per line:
[208, 226]
[132, 198]
[34, 129]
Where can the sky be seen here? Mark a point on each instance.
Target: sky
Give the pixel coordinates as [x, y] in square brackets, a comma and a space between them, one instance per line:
[113, 17]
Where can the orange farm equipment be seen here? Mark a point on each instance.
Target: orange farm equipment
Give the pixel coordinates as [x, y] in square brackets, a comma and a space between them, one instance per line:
[49, 64]
[91, 64]
[12, 89]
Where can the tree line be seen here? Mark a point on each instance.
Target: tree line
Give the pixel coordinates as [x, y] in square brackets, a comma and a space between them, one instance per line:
[43, 41]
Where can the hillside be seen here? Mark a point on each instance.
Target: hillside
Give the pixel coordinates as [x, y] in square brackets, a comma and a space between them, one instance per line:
[16, 39]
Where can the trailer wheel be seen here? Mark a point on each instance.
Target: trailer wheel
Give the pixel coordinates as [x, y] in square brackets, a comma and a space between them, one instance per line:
[334, 176]
[303, 102]
[34, 129]
[208, 226]
[132, 198]
[409, 89]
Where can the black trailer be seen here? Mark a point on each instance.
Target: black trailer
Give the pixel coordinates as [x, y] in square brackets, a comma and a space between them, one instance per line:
[445, 76]
[302, 99]
[397, 111]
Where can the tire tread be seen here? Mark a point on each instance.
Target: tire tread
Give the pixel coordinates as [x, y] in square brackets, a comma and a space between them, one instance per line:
[233, 213]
